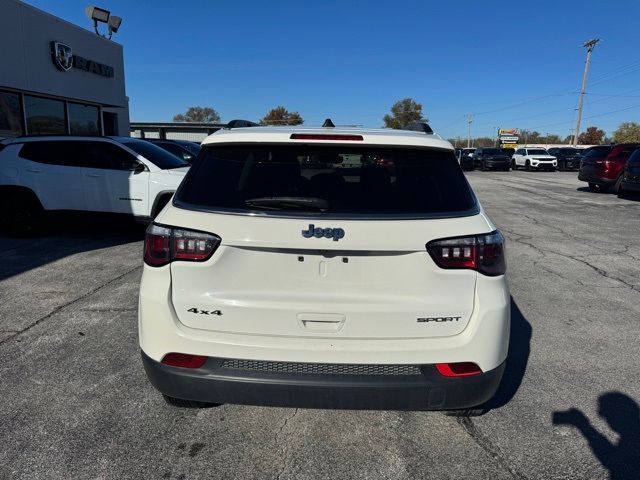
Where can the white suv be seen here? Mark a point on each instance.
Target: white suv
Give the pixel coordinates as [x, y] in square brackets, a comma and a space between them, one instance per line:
[326, 267]
[529, 158]
[98, 174]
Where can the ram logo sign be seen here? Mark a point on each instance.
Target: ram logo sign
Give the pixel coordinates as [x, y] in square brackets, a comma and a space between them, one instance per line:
[62, 56]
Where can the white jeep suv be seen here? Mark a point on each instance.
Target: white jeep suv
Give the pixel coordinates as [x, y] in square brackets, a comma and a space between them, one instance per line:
[98, 174]
[326, 267]
[537, 158]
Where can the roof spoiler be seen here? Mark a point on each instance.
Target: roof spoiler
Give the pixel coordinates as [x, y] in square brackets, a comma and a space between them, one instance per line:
[419, 127]
[240, 124]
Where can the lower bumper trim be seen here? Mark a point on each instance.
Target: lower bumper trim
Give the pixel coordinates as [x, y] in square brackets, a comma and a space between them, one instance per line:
[425, 391]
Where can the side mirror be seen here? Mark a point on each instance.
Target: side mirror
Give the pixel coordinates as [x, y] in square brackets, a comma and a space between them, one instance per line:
[139, 168]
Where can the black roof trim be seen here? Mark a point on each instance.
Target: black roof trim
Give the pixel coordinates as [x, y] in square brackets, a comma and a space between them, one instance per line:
[240, 124]
[419, 127]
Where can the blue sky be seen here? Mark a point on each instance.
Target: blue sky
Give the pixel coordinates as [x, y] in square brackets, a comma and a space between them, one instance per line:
[512, 64]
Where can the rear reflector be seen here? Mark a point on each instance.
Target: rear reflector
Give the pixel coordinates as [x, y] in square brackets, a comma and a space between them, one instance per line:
[184, 360]
[163, 245]
[315, 136]
[461, 369]
[484, 253]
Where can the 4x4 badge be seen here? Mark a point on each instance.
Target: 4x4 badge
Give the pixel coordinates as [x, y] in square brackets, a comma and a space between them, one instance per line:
[205, 312]
[335, 233]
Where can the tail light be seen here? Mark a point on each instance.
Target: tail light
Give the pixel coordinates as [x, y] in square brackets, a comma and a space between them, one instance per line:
[460, 369]
[163, 245]
[184, 360]
[484, 253]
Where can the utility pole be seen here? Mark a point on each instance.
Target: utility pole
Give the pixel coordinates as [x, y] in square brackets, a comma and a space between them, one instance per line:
[589, 45]
[469, 121]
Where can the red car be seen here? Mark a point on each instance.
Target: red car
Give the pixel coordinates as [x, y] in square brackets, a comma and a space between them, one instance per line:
[602, 166]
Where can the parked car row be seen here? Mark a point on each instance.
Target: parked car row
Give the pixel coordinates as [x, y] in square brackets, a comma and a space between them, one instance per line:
[613, 167]
[603, 167]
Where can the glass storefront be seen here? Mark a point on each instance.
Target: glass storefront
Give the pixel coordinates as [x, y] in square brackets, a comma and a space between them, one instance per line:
[10, 115]
[83, 119]
[45, 116]
[21, 113]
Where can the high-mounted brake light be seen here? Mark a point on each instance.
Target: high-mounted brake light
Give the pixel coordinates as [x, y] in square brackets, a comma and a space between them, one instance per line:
[184, 360]
[484, 253]
[162, 245]
[334, 137]
[459, 369]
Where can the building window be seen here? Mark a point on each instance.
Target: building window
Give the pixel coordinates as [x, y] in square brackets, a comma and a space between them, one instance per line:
[10, 116]
[83, 119]
[44, 115]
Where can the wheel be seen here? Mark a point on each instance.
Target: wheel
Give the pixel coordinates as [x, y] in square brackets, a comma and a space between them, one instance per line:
[594, 187]
[465, 412]
[527, 166]
[507, 168]
[514, 166]
[483, 166]
[179, 402]
[618, 185]
[621, 193]
[21, 215]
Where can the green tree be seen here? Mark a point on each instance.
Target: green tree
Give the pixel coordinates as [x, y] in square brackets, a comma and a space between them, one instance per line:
[404, 112]
[281, 116]
[627, 132]
[198, 114]
[552, 138]
[528, 136]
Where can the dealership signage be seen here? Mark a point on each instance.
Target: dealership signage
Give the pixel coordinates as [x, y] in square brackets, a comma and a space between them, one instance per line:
[508, 137]
[64, 59]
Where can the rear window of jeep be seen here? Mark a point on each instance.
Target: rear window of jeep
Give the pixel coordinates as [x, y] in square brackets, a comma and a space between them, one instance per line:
[320, 180]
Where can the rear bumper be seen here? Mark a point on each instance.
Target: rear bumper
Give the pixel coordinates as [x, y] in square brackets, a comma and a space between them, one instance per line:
[427, 390]
[592, 177]
[497, 163]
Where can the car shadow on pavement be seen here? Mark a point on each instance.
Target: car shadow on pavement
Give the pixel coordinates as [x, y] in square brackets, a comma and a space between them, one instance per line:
[517, 359]
[622, 414]
[65, 236]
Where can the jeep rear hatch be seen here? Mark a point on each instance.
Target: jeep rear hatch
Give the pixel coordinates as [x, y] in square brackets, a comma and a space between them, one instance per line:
[324, 241]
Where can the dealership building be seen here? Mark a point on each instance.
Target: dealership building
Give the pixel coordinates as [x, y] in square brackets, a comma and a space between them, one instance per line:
[58, 78]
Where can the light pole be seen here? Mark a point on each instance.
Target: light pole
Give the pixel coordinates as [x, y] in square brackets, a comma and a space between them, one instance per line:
[469, 121]
[589, 45]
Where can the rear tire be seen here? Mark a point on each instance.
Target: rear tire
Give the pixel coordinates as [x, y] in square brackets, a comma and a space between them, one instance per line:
[513, 165]
[179, 402]
[21, 215]
[527, 166]
[594, 187]
[618, 185]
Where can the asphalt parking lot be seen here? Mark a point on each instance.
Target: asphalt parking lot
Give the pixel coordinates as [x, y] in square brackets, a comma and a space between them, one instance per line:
[75, 402]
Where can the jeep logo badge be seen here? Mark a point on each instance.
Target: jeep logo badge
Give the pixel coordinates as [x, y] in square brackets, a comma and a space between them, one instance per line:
[335, 233]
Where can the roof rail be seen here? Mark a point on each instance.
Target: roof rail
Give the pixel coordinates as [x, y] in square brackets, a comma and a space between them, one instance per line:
[419, 127]
[240, 124]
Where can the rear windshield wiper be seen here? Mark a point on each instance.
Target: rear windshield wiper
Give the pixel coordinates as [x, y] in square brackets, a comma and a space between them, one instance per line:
[284, 203]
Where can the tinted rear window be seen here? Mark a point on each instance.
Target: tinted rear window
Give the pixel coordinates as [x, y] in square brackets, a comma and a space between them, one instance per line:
[156, 155]
[635, 157]
[345, 180]
[598, 152]
[492, 151]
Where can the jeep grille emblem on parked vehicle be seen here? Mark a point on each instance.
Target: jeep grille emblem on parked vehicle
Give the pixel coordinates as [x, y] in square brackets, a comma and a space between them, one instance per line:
[335, 233]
